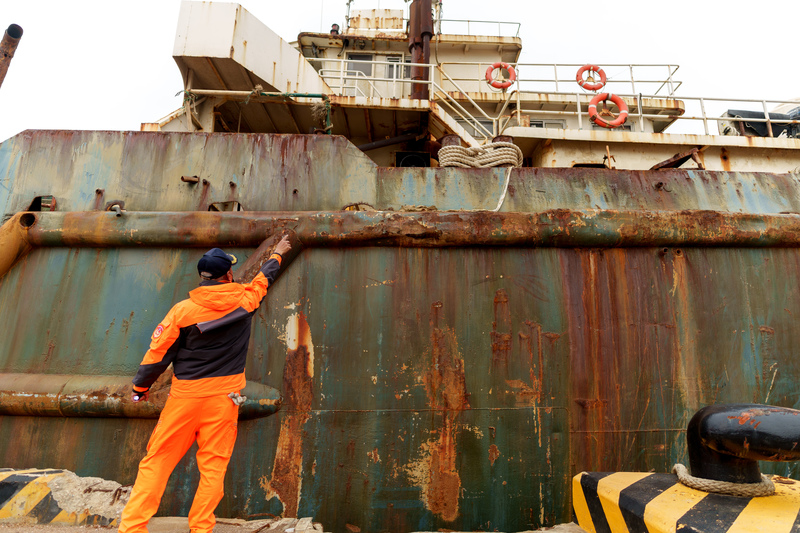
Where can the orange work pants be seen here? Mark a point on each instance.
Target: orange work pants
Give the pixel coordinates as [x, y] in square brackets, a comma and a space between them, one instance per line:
[212, 422]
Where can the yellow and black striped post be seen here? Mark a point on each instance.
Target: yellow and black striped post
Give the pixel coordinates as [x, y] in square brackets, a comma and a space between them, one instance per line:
[25, 495]
[641, 502]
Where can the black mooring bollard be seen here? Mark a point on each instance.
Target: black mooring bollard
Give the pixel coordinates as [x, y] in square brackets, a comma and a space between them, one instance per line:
[726, 441]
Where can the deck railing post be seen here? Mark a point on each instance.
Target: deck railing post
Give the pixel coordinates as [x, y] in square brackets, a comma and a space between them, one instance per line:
[669, 80]
[555, 75]
[641, 113]
[705, 118]
[341, 77]
[633, 83]
[766, 115]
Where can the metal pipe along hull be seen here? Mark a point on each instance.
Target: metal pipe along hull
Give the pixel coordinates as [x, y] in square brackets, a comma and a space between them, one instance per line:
[558, 228]
[68, 395]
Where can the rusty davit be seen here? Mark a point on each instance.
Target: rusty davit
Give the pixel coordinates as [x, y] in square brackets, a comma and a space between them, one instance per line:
[493, 285]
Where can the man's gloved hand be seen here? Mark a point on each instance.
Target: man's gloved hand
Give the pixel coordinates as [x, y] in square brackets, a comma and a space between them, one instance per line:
[140, 395]
[237, 398]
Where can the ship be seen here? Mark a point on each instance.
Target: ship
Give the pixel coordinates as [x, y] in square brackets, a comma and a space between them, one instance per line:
[507, 273]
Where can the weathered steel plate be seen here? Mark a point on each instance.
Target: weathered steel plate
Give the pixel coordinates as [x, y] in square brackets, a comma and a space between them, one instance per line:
[424, 388]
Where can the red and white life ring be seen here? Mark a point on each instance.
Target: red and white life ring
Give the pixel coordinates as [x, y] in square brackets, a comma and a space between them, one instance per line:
[620, 103]
[512, 76]
[591, 86]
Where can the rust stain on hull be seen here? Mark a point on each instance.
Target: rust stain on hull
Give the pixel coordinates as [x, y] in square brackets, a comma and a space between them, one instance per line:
[285, 483]
[501, 332]
[447, 392]
[725, 159]
[374, 456]
[494, 454]
[435, 470]
[443, 489]
[531, 341]
[445, 382]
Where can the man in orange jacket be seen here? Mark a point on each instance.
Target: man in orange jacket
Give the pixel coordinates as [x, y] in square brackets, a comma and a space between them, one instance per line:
[205, 338]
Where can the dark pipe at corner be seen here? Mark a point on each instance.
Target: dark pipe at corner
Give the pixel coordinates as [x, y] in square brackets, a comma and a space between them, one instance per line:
[726, 441]
[27, 220]
[408, 137]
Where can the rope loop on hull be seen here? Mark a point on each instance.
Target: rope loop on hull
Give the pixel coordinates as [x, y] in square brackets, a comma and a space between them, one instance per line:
[489, 155]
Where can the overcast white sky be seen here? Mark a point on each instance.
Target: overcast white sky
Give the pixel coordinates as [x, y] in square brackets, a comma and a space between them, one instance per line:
[107, 64]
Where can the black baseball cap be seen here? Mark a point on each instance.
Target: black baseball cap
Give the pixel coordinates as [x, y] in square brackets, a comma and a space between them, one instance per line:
[215, 263]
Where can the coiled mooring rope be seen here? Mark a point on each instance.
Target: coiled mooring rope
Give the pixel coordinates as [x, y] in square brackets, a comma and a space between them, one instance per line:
[488, 155]
[748, 490]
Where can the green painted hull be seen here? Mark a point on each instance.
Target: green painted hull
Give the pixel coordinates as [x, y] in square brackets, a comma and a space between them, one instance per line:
[456, 387]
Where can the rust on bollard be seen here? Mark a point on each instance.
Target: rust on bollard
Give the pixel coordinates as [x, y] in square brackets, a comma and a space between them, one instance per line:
[451, 140]
[447, 140]
[726, 441]
[503, 139]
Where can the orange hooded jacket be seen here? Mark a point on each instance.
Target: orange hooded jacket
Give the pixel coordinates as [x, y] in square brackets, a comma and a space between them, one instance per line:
[205, 337]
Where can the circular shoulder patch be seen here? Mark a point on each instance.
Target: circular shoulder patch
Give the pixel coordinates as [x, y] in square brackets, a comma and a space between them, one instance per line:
[159, 330]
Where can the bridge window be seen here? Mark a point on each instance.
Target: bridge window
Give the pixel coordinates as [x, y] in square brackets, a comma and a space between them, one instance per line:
[365, 68]
[396, 71]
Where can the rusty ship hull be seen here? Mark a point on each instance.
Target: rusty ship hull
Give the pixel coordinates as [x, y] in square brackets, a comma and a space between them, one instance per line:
[439, 368]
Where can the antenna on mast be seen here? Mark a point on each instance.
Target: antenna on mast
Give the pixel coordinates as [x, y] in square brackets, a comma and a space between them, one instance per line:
[347, 17]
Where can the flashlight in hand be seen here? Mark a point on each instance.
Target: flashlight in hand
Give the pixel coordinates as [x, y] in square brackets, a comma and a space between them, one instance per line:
[140, 396]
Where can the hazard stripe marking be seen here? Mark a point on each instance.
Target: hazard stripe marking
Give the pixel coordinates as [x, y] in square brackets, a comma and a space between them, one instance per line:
[589, 485]
[776, 513]
[716, 512]
[46, 510]
[634, 499]
[25, 493]
[796, 525]
[6, 474]
[11, 486]
[609, 489]
[582, 515]
[25, 499]
[64, 517]
[657, 503]
[12, 482]
[664, 511]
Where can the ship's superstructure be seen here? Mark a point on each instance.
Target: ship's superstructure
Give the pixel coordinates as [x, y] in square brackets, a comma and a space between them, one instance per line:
[366, 71]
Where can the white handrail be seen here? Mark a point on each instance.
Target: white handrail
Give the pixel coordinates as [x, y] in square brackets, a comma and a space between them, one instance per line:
[345, 75]
[469, 99]
[499, 23]
[555, 78]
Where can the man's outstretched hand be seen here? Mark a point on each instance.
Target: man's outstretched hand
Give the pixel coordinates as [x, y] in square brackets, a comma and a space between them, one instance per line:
[283, 246]
[140, 396]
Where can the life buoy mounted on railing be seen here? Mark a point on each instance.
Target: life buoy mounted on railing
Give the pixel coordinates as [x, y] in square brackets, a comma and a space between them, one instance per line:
[585, 82]
[619, 102]
[512, 76]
